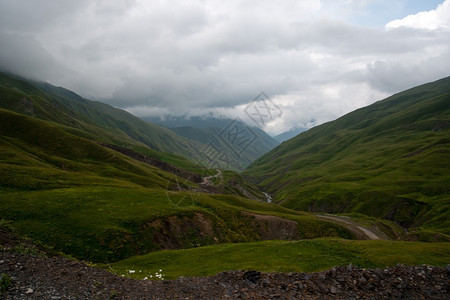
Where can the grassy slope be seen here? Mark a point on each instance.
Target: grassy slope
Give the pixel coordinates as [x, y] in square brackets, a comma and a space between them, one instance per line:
[94, 203]
[94, 120]
[282, 256]
[60, 188]
[37, 154]
[389, 160]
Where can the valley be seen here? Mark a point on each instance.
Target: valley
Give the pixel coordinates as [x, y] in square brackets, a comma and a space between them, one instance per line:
[388, 160]
[82, 180]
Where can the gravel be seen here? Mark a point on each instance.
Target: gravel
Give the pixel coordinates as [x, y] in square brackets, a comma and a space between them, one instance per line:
[39, 277]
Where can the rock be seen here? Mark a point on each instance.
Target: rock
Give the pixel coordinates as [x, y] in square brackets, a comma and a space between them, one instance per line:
[306, 276]
[350, 267]
[345, 282]
[333, 290]
[252, 276]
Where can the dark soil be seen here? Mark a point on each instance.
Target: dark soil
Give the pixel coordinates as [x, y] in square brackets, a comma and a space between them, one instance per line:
[273, 227]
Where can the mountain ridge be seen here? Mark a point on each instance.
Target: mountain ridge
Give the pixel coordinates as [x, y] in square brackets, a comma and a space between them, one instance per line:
[209, 130]
[102, 122]
[287, 135]
[92, 119]
[69, 189]
[388, 160]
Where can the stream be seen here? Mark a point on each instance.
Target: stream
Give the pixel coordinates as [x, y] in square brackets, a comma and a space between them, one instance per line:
[268, 197]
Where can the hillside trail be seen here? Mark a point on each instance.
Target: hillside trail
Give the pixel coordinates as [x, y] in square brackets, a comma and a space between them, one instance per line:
[208, 180]
[359, 231]
[354, 227]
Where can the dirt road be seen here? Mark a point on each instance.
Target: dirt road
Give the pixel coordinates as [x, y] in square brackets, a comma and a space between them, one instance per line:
[368, 233]
[207, 180]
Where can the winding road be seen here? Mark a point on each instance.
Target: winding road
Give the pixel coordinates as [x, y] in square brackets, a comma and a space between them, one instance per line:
[360, 231]
[371, 235]
[207, 180]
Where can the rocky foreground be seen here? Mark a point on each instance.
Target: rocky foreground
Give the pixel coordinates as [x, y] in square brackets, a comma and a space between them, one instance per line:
[39, 277]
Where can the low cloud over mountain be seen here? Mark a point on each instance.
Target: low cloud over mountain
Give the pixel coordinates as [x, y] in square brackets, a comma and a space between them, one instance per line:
[316, 59]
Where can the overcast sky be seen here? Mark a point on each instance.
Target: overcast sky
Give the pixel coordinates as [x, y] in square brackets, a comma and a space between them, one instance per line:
[317, 60]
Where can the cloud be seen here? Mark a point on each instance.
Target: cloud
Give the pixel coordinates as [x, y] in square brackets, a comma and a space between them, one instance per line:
[197, 56]
[438, 18]
[23, 55]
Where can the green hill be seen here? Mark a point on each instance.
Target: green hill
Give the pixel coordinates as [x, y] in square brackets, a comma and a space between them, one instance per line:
[104, 123]
[80, 177]
[95, 203]
[389, 160]
[93, 120]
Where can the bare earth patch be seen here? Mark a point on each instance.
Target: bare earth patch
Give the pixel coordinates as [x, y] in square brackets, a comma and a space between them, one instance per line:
[273, 227]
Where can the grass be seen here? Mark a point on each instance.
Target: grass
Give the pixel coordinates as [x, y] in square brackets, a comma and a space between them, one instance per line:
[102, 223]
[58, 159]
[281, 256]
[87, 222]
[94, 203]
[60, 188]
[94, 120]
[388, 160]
[5, 282]
[390, 229]
[102, 122]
